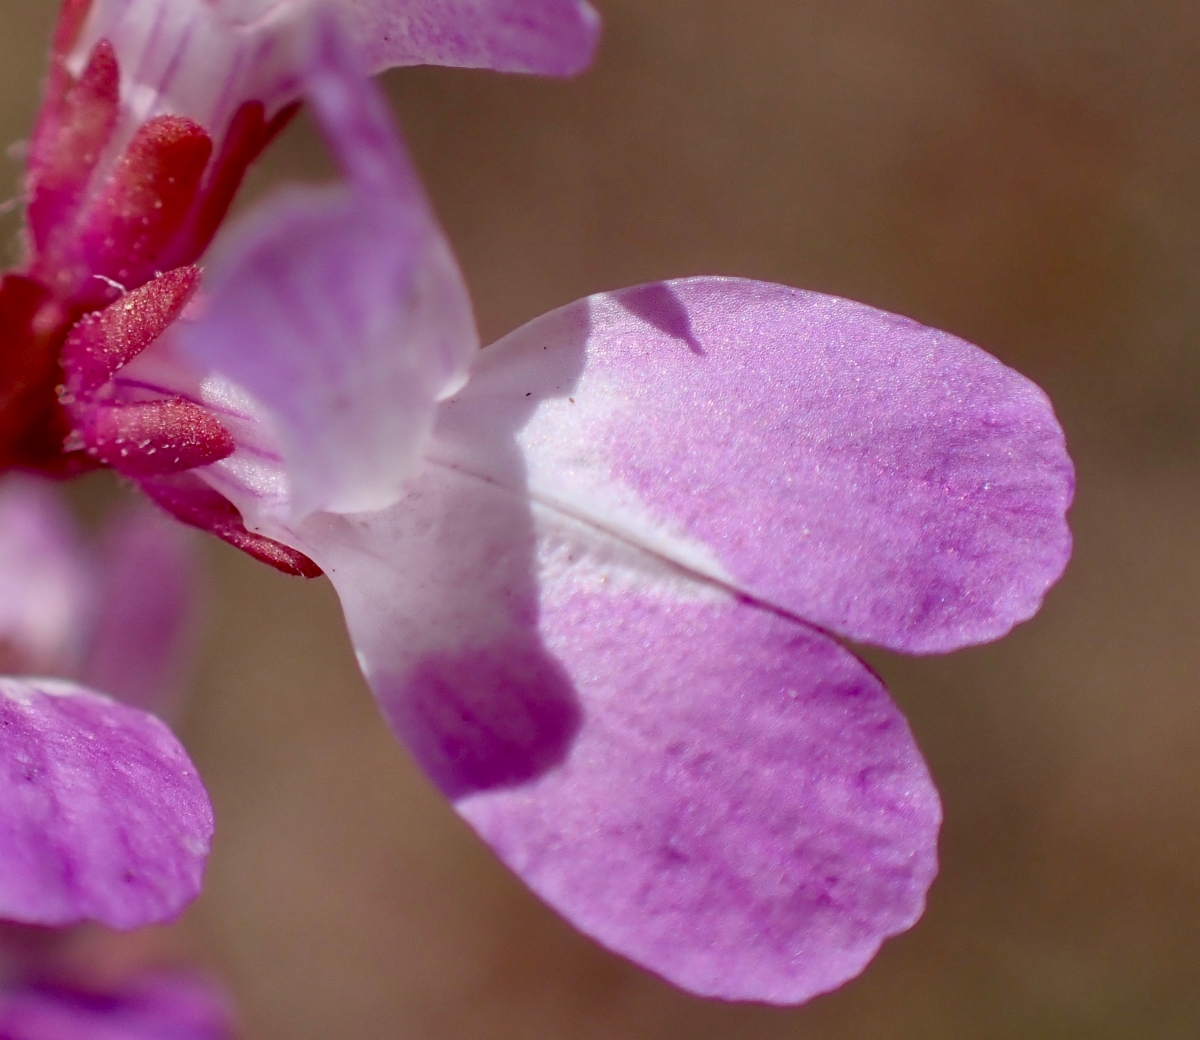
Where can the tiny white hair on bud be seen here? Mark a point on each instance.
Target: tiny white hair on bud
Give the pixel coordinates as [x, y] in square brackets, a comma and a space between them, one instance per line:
[112, 282]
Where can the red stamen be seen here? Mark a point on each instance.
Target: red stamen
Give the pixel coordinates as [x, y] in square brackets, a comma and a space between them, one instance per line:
[155, 438]
[276, 126]
[105, 340]
[147, 199]
[193, 502]
[68, 145]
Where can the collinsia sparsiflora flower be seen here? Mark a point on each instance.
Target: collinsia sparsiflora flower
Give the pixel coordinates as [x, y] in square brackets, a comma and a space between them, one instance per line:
[102, 815]
[592, 572]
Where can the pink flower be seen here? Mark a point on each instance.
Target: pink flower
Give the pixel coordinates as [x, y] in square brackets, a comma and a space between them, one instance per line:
[592, 572]
[102, 815]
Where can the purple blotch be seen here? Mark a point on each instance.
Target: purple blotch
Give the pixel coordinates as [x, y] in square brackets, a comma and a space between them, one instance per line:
[489, 717]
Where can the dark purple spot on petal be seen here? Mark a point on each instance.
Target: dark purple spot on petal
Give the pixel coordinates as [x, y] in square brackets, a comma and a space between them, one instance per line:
[490, 717]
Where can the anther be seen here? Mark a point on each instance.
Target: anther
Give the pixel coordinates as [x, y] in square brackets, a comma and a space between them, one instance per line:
[68, 144]
[147, 199]
[105, 340]
[154, 438]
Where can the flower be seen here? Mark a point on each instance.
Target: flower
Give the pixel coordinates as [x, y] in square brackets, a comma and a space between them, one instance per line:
[593, 573]
[102, 815]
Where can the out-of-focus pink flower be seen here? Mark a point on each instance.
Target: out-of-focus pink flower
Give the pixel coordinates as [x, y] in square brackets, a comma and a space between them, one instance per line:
[116, 617]
[592, 572]
[102, 815]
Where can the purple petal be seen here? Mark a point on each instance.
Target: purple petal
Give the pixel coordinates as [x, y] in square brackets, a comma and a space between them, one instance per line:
[204, 58]
[743, 810]
[708, 787]
[142, 637]
[46, 581]
[880, 479]
[549, 37]
[341, 312]
[157, 1007]
[102, 815]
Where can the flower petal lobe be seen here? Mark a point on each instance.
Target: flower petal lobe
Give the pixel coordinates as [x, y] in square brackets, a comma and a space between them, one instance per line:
[547, 37]
[160, 1006]
[886, 481]
[102, 815]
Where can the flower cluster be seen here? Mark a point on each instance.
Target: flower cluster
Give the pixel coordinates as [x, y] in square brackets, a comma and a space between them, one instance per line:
[595, 572]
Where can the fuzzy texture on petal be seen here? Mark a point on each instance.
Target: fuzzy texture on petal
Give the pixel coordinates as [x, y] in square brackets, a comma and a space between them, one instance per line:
[46, 580]
[875, 477]
[142, 635]
[102, 815]
[548, 37]
[173, 1006]
[712, 789]
[341, 312]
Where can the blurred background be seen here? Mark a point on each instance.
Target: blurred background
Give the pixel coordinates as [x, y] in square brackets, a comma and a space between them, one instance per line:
[1025, 174]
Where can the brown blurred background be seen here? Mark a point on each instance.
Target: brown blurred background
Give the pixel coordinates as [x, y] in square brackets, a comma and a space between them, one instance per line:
[1023, 173]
